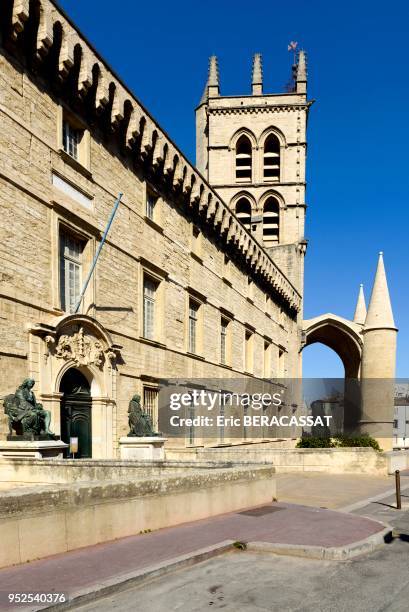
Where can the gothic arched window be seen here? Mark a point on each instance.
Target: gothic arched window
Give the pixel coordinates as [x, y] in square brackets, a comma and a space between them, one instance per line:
[243, 211]
[271, 160]
[271, 221]
[243, 159]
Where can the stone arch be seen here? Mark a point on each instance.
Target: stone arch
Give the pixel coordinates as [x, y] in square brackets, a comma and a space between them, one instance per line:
[339, 334]
[93, 376]
[236, 205]
[243, 131]
[344, 338]
[271, 130]
[78, 341]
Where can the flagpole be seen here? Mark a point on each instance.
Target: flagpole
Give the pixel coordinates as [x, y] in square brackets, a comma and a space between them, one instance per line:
[101, 244]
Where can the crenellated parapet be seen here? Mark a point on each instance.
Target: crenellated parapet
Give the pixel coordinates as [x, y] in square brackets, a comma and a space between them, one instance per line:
[50, 33]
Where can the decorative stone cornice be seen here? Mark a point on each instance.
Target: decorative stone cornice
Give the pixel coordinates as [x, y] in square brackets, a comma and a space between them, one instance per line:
[256, 110]
[144, 139]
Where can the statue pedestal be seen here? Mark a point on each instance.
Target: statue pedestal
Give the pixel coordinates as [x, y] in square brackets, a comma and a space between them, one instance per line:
[142, 449]
[32, 449]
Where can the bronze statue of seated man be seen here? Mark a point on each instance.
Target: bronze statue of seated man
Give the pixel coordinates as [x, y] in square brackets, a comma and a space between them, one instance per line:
[140, 423]
[26, 416]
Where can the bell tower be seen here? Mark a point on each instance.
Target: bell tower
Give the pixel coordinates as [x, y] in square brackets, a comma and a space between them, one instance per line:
[252, 150]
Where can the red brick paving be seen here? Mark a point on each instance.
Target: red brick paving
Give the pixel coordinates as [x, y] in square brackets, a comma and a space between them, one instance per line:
[287, 524]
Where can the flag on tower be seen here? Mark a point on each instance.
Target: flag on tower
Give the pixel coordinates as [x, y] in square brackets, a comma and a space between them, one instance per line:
[292, 45]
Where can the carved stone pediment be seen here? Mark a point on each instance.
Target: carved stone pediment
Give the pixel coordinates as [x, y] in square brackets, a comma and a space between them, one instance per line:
[80, 340]
[81, 348]
[78, 344]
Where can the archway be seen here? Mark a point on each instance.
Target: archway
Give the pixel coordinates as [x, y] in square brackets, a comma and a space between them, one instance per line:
[344, 338]
[76, 411]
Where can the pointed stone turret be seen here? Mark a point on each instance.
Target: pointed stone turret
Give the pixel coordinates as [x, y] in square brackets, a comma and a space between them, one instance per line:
[380, 315]
[213, 81]
[378, 362]
[257, 77]
[360, 310]
[301, 77]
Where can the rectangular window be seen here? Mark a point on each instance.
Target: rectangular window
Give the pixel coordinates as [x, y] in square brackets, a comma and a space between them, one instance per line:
[71, 139]
[193, 325]
[149, 306]
[71, 253]
[150, 404]
[224, 324]
[151, 201]
[248, 352]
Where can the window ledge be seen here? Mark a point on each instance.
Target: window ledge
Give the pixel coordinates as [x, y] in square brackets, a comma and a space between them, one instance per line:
[197, 257]
[74, 163]
[154, 225]
[152, 342]
[195, 356]
[225, 365]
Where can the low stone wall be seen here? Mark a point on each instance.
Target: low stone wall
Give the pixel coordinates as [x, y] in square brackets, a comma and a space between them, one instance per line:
[331, 460]
[23, 471]
[42, 521]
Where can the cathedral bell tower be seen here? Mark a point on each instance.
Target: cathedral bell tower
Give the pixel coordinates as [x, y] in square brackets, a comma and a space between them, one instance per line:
[252, 150]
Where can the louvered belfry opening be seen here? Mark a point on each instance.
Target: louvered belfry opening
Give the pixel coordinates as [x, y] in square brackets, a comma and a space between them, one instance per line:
[272, 158]
[243, 212]
[271, 222]
[243, 159]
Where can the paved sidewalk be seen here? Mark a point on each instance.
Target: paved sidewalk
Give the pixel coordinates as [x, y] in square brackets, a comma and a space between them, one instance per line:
[333, 491]
[93, 567]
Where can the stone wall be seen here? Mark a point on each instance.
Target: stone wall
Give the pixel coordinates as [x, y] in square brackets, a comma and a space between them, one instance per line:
[330, 460]
[39, 522]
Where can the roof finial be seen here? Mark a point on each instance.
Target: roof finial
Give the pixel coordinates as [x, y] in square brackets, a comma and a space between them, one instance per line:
[301, 77]
[380, 313]
[360, 310]
[213, 82]
[257, 77]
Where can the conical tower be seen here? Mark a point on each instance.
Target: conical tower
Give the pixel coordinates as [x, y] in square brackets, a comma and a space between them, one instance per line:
[360, 310]
[380, 313]
[378, 362]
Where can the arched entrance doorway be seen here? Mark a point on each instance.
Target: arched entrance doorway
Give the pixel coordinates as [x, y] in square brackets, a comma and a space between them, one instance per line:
[344, 338]
[76, 411]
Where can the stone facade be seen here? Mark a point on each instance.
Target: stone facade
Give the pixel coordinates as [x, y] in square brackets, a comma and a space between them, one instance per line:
[172, 230]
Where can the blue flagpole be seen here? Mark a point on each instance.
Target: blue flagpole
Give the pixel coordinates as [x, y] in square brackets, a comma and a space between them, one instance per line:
[101, 244]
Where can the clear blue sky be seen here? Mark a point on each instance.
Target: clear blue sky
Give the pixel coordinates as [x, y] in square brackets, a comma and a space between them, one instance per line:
[358, 179]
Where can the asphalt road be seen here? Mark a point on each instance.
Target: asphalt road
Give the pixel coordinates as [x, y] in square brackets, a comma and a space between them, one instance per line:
[256, 581]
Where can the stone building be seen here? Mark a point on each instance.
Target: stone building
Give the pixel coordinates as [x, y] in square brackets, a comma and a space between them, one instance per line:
[201, 275]
[183, 288]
